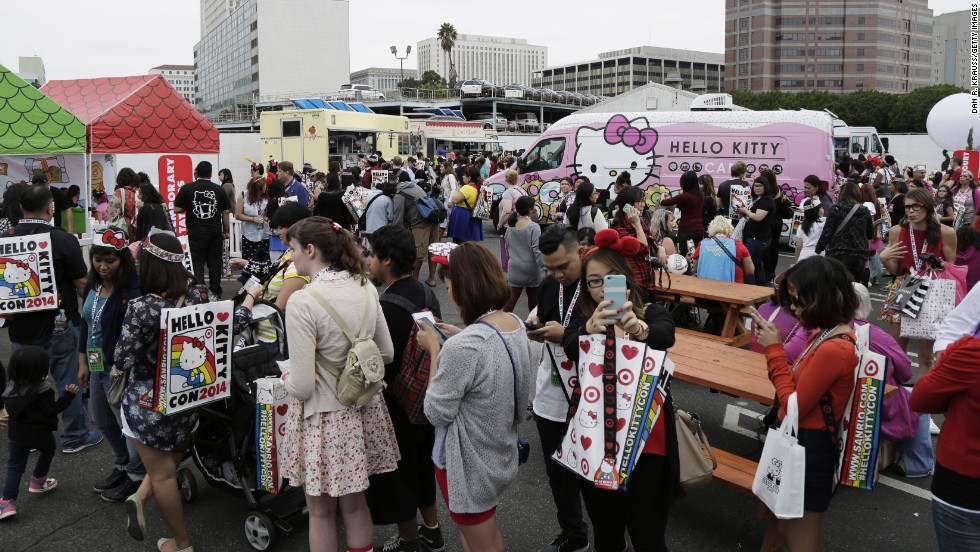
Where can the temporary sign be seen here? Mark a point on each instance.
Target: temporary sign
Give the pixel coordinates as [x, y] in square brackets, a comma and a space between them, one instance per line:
[174, 172]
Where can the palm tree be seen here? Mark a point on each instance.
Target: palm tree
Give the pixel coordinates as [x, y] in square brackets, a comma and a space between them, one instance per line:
[447, 39]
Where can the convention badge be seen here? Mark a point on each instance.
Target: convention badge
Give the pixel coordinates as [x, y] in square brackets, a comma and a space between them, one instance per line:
[95, 360]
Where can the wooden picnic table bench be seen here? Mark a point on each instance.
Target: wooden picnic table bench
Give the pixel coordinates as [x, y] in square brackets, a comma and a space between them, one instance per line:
[733, 299]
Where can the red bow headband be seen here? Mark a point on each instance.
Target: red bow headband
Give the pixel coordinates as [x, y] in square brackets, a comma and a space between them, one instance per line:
[609, 239]
[114, 239]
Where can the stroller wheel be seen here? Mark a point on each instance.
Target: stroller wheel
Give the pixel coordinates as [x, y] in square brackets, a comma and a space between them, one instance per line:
[187, 485]
[260, 532]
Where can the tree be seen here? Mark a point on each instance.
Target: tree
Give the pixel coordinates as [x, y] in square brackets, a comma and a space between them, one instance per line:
[912, 109]
[447, 39]
[430, 81]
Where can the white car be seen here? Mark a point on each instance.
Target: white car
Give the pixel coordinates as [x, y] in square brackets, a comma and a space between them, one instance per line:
[526, 121]
[359, 92]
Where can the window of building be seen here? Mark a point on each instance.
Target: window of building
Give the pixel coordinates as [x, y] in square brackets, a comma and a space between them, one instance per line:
[789, 83]
[809, 83]
[860, 51]
[830, 83]
[860, 36]
[292, 128]
[862, 20]
[743, 24]
[859, 84]
[860, 67]
[743, 54]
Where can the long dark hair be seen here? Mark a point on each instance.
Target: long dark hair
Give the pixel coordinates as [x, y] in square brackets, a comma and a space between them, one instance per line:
[127, 266]
[28, 366]
[967, 237]
[810, 217]
[126, 178]
[337, 246]
[227, 174]
[933, 228]
[152, 215]
[627, 196]
[12, 210]
[868, 196]
[850, 192]
[583, 199]
[617, 264]
[823, 292]
[165, 278]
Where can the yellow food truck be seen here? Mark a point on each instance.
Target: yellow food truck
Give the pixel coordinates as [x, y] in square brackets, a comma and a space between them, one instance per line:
[452, 134]
[319, 136]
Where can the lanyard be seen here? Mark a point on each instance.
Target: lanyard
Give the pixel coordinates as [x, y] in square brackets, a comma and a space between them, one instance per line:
[915, 255]
[812, 346]
[571, 306]
[97, 314]
[35, 221]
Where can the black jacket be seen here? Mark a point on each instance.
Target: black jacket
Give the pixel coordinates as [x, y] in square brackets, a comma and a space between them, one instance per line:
[111, 321]
[33, 410]
[852, 238]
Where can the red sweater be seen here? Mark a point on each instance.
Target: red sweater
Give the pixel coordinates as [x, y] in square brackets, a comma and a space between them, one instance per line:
[953, 386]
[690, 205]
[830, 366]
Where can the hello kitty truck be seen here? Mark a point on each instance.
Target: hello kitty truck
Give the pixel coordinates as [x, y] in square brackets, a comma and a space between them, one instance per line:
[657, 147]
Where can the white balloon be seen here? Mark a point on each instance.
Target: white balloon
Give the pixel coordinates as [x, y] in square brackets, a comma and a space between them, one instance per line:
[950, 122]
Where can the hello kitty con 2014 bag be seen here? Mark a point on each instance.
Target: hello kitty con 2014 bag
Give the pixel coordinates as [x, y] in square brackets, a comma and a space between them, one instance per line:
[781, 475]
[194, 363]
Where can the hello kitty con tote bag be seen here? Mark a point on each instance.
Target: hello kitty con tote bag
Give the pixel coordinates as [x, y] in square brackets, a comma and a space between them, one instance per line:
[781, 475]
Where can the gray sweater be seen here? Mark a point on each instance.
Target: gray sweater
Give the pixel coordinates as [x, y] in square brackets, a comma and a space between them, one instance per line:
[471, 404]
[525, 266]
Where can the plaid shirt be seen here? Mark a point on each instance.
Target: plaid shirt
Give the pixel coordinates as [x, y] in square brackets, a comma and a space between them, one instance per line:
[640, 263]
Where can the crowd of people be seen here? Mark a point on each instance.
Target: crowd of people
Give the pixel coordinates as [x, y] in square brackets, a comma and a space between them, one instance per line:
[331, 271]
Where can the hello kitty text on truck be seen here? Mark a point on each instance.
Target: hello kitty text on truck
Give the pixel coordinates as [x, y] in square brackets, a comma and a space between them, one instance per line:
[194, 367]
[27, 274]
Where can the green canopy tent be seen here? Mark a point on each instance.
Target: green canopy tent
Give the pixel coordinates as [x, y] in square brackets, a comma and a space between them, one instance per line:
[39, 136]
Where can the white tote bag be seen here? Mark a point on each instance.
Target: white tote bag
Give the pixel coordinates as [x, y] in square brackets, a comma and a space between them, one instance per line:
[936, 306]
[780, 477]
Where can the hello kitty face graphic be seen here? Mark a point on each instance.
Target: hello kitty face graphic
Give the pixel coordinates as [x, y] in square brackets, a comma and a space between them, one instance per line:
[192, 357]
[602, 153]
[16, 272]
[624, 401]
[588, 418]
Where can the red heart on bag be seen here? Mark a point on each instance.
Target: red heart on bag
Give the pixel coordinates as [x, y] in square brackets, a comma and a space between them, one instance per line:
[585, 345]
[630, 352]
[222, 316]
[42, 245]
[586, 443]
[281, 409]
[620, 424]
[595, 369]
[609, 410]
[567, 365]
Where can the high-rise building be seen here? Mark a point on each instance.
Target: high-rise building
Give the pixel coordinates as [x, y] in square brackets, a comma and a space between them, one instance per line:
[951, 49]
[497, 59]
[621, 70]
[381, 78]
[258, 53]
[181, 77]
[215, 11]
[31, 69]
[798, 45]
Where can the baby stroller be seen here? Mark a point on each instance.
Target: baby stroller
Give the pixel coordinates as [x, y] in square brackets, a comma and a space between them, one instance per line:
[224, 448]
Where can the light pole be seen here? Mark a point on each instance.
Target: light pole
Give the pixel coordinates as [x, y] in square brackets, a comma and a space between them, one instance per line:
[401, 62]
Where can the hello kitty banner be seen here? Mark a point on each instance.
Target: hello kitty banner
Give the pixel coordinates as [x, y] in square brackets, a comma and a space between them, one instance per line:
[194, 367]
[27, 274]
[642, 375]
[271, 406]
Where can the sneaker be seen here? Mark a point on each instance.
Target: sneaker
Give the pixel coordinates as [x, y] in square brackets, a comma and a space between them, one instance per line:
[397, 544]
[93, 438]
[567, 543]
[933, 428]
[121, 492]
[116, 478]
[135, 521]
[430, 540]
[8, 508]
[42, 484]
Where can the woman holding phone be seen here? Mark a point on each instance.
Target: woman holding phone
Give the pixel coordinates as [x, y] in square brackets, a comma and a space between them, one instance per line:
[643, 509]
[819, 292]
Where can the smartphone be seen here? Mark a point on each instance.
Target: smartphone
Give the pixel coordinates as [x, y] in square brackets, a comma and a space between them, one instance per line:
[532, 327]
[614, 289]
[426, 323]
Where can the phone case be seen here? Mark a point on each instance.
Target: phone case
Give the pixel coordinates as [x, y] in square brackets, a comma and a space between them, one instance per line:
[614, 288]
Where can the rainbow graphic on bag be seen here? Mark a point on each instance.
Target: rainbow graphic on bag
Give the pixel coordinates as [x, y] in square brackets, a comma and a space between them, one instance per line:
[17, 276]
[191, 359]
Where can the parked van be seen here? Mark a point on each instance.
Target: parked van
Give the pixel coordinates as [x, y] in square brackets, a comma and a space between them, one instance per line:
[657, 147]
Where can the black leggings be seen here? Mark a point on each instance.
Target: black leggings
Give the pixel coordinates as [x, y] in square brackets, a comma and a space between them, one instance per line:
[641, 510]
[856, 266]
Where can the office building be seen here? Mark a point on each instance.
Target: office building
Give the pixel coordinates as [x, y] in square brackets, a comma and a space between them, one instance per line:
[257, 54]
[31, 69]
[214, 12]
[497, 59]
[621, 70]
[381, 78]
[951, 49]
[798, 45]
[181, 77]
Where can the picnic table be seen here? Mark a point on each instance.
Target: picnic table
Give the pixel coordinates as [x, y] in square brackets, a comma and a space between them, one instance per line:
[734, 299]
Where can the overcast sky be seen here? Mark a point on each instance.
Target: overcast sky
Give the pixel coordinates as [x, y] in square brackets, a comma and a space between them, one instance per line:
[126, 37]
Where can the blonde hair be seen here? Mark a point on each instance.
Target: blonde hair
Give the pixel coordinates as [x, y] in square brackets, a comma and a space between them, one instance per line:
[511, 177]
[720, 225]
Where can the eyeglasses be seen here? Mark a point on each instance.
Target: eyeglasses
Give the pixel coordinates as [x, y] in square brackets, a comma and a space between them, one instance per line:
[594, 282]
[914, 207]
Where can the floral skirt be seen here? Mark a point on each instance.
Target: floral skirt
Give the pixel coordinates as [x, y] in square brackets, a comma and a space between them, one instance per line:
[334, 453]
[889, 315]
